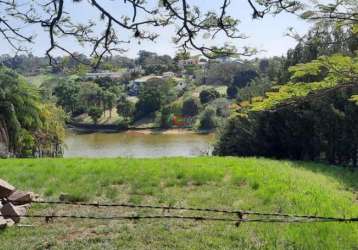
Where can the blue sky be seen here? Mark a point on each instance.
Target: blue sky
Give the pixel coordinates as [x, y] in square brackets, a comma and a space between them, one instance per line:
[266, 34]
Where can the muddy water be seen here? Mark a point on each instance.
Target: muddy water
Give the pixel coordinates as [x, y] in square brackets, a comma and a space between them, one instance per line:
[137, 144]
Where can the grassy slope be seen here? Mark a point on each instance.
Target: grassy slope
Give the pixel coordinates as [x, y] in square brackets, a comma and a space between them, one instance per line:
[257, 184]
[220, 88]
[104, 119]
[38, 79]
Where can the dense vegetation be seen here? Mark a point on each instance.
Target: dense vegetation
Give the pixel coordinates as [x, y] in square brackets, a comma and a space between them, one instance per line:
[314, 115]
[29, 127]
[227, 183]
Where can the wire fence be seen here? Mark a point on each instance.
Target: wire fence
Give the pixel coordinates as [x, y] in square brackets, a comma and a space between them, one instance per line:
[51, 217]
[168, 208]
[240, 215]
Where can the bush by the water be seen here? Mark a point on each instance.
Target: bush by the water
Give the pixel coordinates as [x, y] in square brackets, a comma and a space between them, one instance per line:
[208, 119]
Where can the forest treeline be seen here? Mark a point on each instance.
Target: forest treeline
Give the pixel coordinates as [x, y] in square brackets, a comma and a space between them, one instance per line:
[313, 114]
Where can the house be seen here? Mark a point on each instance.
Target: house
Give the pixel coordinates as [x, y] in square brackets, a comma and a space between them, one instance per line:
[225, 59]
[222, 59]
[103, 74]
[203, 61]
[168, 74]
[136, 70]
[134, 85]
[191, 61]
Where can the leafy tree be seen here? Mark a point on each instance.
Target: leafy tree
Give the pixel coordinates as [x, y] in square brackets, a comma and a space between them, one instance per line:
[182, 55]
[299, 120]
[90, 94]
[221, 74]
[264, 65]
[221, 107]
[67, 93]
[155, 64]
[24, 118]
[47, 89]
[150, 99]
[166, 117]
[208, 119]
[243, 78]
[109, 101]
[52, 134]
[191, 106]
[153, 95]
[125, 107]
[25, 64]
[322, 40]
[256, 88]
[107, 83]
[208, 95]
[231, 92]
[95, 113]
[274, 71]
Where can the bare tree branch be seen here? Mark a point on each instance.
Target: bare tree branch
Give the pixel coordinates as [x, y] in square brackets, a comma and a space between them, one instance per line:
[191, 22]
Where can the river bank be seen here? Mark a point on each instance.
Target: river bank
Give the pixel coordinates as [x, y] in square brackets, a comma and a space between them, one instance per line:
[111, 128]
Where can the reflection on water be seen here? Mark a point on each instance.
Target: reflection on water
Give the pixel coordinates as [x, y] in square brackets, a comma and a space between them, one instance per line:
[136, 144]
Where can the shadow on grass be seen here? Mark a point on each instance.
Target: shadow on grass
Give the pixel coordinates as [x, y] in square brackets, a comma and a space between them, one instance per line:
[347, 176]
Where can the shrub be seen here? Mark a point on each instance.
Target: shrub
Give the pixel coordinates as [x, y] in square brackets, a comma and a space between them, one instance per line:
[232, 92]
[153, 96]
[191, 106]
[123, 123]
[79, 110]
[243, 78]
[221, 107]
[125, 108]
[95, 113]
[177, 107]
[208, 95]
[208, 119]
[165, 118]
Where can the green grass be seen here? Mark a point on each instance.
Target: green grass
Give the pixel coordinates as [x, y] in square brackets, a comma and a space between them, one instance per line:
[232, 183]
[104, 119]
[37, 80]
[220, 88]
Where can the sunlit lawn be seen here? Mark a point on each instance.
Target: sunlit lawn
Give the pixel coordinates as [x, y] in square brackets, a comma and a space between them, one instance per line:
[230, 183]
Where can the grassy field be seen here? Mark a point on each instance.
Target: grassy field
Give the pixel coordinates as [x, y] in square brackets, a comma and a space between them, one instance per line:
[232, 183]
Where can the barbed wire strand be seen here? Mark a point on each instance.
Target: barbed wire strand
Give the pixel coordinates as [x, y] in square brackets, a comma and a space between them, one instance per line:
[194, 218]
[214, 210]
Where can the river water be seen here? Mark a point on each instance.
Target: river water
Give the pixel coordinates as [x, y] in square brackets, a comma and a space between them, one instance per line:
[136, 144]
